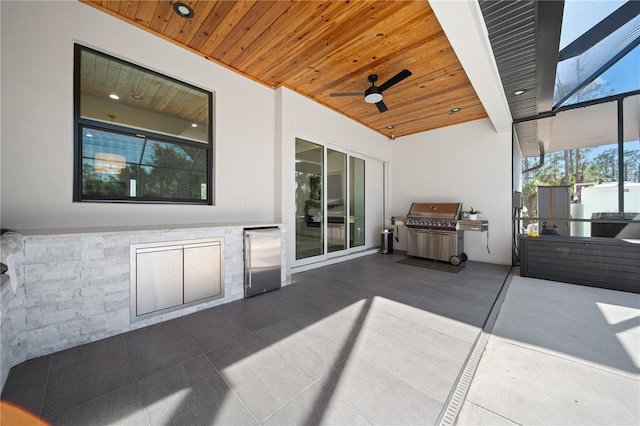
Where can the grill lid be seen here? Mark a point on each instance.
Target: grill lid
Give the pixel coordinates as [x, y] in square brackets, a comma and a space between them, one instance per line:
[435, 210]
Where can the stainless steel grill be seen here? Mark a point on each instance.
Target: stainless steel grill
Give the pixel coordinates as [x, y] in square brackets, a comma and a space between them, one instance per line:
[442, 216]
[433, 231]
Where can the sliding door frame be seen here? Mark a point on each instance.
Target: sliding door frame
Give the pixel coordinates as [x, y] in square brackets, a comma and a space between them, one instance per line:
[349, 153]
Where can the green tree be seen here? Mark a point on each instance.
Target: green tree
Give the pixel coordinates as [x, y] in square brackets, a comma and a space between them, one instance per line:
[101, 184]
[168, 171]
[606, 166]
[171, 172]
[632, 166]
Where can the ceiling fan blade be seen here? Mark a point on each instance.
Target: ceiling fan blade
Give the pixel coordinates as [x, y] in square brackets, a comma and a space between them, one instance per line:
[333, 95]
[395, 79]
[381, 106]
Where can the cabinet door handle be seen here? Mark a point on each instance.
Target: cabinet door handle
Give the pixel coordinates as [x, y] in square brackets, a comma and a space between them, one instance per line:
[198, 245]
[155, 249]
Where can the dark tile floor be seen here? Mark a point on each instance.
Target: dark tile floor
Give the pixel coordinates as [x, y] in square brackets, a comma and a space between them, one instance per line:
[369, 341]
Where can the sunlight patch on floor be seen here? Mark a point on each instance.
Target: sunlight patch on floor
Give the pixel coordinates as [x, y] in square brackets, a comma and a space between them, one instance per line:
[616, 314]
[627, 320]
[172, 403]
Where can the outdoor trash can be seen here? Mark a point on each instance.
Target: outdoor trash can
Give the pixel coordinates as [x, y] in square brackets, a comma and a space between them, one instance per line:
[386, 241]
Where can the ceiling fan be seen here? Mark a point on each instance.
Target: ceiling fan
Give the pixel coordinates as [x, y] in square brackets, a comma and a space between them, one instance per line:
[373, 94]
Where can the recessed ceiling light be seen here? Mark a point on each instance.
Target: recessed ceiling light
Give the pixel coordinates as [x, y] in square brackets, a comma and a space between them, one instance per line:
[519, 92]
[114, 96]
[183, 10]
[456, 109]
[194, 125]
[138, 97]
[389, 127]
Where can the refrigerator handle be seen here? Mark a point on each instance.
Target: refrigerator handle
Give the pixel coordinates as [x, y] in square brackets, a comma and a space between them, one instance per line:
[248, 259]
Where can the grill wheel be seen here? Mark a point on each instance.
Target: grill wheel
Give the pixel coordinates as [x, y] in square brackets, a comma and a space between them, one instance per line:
[456, 260]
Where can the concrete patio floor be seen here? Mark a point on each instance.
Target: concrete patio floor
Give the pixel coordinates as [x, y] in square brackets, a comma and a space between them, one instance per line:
[559, 354]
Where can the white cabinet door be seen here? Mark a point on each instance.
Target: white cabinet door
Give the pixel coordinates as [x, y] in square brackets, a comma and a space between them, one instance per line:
[202, 267]
[159, 279]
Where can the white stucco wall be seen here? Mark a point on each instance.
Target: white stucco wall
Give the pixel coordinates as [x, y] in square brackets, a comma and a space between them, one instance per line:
[37, 121]
[468, 163]
[301, 114]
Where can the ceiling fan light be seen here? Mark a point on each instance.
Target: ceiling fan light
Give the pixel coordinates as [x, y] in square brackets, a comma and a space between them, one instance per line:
[373, 98]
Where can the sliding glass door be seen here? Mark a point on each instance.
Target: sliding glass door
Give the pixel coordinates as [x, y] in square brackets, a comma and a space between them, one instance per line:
[330, 201]
[356, 206]
[336, 197]
[309, 198]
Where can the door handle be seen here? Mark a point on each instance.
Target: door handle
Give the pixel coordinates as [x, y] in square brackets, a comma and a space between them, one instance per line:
[157, 249]
[199, 245]
[248, 259]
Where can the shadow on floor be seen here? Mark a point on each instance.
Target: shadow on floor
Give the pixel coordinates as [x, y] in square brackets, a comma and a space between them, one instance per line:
[585, 323]
[368, 341]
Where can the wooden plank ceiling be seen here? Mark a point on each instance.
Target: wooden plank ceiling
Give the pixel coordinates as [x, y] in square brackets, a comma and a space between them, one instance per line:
[319, 47]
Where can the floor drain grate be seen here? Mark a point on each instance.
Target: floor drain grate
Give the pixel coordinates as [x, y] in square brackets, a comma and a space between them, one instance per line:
[459, 392]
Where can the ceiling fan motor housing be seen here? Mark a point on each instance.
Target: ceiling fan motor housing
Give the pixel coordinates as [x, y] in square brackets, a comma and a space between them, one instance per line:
[373, 95]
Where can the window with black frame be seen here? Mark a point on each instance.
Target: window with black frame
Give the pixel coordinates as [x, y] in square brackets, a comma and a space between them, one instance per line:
[140, 136]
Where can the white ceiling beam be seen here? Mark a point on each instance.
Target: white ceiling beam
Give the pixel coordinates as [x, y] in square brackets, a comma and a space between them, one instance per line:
[464, 26]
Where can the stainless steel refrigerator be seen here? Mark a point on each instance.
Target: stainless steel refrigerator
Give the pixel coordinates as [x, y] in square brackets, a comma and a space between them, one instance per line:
[262, 263]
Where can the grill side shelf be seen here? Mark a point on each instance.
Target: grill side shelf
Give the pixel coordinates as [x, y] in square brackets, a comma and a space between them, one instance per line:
[473, 225]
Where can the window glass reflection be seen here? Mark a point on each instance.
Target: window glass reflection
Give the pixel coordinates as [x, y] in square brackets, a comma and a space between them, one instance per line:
[357, 201]
[116, 92]
[309, 176]
[123, 166]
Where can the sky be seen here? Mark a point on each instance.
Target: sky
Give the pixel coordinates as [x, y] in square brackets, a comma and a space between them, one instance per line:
[624, 76]
[579, 16]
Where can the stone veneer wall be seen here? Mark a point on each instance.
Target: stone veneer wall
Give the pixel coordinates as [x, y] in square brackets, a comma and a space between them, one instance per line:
[74, 288]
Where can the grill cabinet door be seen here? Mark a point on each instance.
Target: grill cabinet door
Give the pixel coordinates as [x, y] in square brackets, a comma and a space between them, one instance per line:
[447, 245]
[432, 244]
[158, 278]
[421, 243]
[202, 266]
